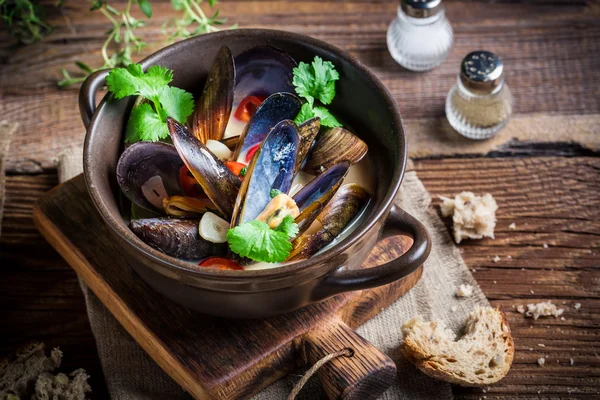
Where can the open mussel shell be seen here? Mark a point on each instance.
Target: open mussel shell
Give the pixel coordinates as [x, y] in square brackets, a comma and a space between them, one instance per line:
[213, 109]
[262, 71]
[308, 131]
[333, 146]
[218, 182]
[341, 210]
[176, 237]
[276, 108]
[316, 195]
[148, 172]
[272, 167]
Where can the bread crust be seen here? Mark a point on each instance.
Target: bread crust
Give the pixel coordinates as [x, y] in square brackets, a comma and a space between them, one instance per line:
[453, 365]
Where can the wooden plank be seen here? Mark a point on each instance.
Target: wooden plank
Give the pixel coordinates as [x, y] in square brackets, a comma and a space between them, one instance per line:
[551, 51]
[567, 271]
[552, 201]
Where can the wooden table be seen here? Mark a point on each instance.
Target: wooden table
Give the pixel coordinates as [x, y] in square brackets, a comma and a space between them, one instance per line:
[551, 192]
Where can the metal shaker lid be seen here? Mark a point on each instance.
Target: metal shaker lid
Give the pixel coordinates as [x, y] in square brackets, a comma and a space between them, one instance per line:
[421, 8]
[482, 71]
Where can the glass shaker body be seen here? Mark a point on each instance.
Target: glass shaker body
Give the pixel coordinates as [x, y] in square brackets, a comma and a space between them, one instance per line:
[480, 104]
[419, 44]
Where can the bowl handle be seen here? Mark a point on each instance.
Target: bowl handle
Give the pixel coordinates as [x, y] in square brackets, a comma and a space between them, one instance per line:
[87, 94]
[398, 222]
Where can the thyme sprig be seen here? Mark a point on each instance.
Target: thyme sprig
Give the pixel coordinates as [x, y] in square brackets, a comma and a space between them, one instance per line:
[24, 20]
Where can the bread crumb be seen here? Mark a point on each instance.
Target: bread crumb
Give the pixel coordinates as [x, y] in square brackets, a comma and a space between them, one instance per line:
[541, 345]
[464, 291]
[531, 349]
[571, 361]
[453, 308]
[541, 361]
[512, 226]
[543, 309]
[545, 245]
[496, 259]
[562, 318]
[474, 270]
[509, 257]
[577, 306]
[494, 282]
[473, 217]
[532, 292]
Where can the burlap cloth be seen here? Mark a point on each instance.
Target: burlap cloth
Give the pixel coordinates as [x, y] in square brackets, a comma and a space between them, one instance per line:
[131, 374]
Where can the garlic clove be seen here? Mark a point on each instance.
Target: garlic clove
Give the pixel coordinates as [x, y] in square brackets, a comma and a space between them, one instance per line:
[213, 228]
[219, 149]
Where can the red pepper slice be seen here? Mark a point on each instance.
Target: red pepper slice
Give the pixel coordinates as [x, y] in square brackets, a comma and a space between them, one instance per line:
[221, 263]
[251, 151]
[248, 107]
[235, 167]
[189, 184]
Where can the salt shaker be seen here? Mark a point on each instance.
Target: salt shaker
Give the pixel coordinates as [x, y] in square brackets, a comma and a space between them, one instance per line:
[480, 104]
[420, 37]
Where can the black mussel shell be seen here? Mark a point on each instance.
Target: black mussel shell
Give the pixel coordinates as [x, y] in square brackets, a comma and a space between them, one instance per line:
[308, 131]
[272, 167]
[176, 237]
[341, 210]
[317, 193]
[218, 182]
[213, 109]
[276, 108]
[332, 146]
[145, 160]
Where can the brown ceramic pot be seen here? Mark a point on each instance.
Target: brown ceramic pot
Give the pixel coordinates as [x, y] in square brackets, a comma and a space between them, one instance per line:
[361, 100]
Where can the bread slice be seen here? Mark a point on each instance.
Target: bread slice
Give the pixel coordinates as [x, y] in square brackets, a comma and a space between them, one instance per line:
[483, 355]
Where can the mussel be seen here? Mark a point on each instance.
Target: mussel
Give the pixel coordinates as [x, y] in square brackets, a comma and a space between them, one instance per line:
[176, 237]
[272, 167]
[341, 210]
[213, 109]
[308, 131]
[332, 146]
[218, 182]
[316, 195]
[276, 108]
[148, 172]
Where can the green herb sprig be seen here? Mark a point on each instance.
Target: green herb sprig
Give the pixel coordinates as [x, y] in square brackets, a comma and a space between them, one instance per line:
[125, 41]
[25, 20]
[257, 241]
[316, 82]
[193, 20]
[147, 121]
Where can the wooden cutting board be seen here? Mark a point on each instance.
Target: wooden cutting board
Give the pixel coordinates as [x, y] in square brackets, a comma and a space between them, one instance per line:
[215, 358]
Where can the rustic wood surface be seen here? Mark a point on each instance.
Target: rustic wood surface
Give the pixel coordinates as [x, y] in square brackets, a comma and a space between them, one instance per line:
[191, 347]
[549, 191]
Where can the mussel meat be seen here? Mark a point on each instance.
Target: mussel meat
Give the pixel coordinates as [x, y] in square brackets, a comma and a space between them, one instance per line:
[272, 167]
[218, 182]
[332, 146]
[176, 237]
[184, 206]
[341, 210]
[213, 109]
[316, 195]
[308, 131]
[276, 108]
[147, 173]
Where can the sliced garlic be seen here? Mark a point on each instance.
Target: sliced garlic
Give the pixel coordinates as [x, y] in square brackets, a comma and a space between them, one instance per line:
[219, 149]
[154, 191]
[213, 228]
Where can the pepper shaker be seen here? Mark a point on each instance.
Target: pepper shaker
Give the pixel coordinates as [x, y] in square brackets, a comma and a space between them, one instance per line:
[480, 104]
[420, 37]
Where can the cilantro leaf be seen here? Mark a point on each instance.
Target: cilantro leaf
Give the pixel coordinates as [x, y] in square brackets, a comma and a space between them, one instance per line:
[178, 103]
[327, 119]
[306, 113]
[132, 81]
[316, 81]
[145, 125]
[258, 242]
[288, 226]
